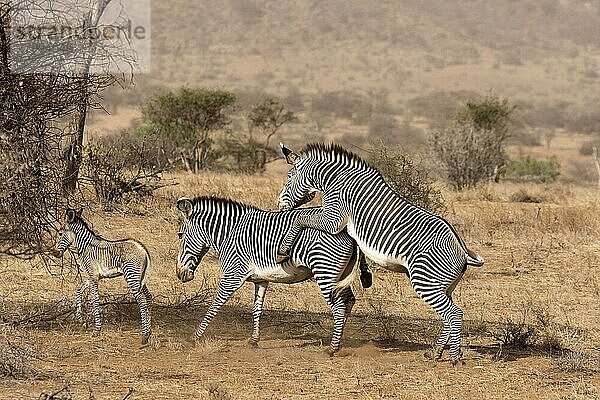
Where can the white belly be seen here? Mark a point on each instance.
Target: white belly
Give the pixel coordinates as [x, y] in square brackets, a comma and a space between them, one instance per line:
[286, 273]
[385, 260]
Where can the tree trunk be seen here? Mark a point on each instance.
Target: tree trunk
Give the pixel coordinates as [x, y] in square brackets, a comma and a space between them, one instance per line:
[75, 149]
[4, 45]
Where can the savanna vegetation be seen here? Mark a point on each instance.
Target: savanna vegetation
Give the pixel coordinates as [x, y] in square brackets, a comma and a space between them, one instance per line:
[483, 113]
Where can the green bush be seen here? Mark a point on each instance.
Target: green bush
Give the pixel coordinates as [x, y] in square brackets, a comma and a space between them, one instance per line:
[471, 147]
[528, 169]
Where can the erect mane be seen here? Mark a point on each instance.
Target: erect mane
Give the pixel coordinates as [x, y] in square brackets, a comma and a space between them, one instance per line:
[334, 152]
[221, 201]
[86, 225]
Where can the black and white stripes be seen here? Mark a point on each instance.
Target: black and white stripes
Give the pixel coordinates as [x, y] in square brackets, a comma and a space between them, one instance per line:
[389, 230]
[246, 240]
[103, 258]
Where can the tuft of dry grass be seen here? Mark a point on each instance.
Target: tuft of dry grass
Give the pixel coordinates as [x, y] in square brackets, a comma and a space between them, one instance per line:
[16, 359]
[217, 392]
[577, 361]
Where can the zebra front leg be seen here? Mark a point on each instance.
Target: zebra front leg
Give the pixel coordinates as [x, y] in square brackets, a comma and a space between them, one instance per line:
[227, 287]
[95, 292]
[283, 253]
[328, 221]
[78, 300]
[260, 289]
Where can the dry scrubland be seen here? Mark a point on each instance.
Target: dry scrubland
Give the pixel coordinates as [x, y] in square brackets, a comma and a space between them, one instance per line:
[539, 285]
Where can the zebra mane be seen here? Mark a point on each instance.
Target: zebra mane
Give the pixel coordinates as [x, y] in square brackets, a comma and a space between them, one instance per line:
[93, 232]
[336, 153]
[221, 202]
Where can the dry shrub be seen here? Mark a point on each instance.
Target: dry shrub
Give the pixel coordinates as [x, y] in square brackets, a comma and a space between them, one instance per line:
[216, 392]
[387, 328]
[537, 328]
[577, 361]
[516, 334]
[120, 168]
[15, 360]
[524, 196]
[409, 178]
[581, 171]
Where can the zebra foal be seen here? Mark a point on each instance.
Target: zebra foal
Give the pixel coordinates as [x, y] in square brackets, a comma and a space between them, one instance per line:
[102, 258]
[246, 240]
[391, 231]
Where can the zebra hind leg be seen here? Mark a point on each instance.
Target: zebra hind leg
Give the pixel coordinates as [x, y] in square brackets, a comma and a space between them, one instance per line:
[78, 300]
[142, 296]
[259, 297]
[452, 323]
[95, 292]
[142, 301]
[146, 316]
[341, 306]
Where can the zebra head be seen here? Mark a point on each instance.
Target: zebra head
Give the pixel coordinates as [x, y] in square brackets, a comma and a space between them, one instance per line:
[192, 245]
[298, 189]
[66, 236]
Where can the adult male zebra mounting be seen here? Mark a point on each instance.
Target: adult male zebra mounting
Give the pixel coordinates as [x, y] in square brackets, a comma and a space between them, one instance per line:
[391, 231]
[103, 258]
[246, 240]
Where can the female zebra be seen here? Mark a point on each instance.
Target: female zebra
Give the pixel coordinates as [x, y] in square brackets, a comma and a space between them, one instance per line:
[103, 258]
[389, 230]
[246, 240]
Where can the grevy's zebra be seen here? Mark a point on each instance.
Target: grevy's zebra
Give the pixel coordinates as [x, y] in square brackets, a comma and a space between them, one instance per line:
[246, 240]
[103, 258]
[389, 230]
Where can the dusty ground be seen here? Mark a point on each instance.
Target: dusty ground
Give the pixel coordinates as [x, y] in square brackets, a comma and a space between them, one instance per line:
[540, 274]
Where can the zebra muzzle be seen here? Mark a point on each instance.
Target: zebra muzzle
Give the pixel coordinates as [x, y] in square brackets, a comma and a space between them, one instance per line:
[185, 275]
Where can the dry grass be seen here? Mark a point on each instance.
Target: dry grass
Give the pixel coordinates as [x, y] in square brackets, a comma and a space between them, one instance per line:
[541, 258]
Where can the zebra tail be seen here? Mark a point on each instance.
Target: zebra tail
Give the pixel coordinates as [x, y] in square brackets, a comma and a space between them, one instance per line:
[474, 259]
[352, 272]
[147, 268]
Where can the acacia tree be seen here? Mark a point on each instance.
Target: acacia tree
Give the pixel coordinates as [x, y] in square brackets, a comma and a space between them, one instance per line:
[188, 117]
[471, 148]
[40, 113]
[267, 116]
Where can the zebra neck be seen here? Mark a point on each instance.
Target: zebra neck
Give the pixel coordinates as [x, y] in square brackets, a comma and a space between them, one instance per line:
[218, 236]
[330, 175]
[84, 239]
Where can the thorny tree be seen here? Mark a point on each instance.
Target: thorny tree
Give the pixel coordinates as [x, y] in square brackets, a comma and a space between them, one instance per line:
[42, 117]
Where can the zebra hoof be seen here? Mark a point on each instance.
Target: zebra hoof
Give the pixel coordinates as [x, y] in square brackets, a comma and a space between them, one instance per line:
[253, 343]
[457, 362]
[330, 351]
[435, 353]
[366, 279]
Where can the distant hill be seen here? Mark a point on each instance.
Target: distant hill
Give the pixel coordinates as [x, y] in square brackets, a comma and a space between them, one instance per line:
[531, 49]
[420, 56]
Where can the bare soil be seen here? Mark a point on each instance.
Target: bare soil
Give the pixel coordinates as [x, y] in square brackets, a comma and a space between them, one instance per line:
[540, 274]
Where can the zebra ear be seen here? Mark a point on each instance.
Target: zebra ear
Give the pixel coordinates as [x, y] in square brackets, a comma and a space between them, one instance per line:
[71, 215]
[290, 156]
[185, 206]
